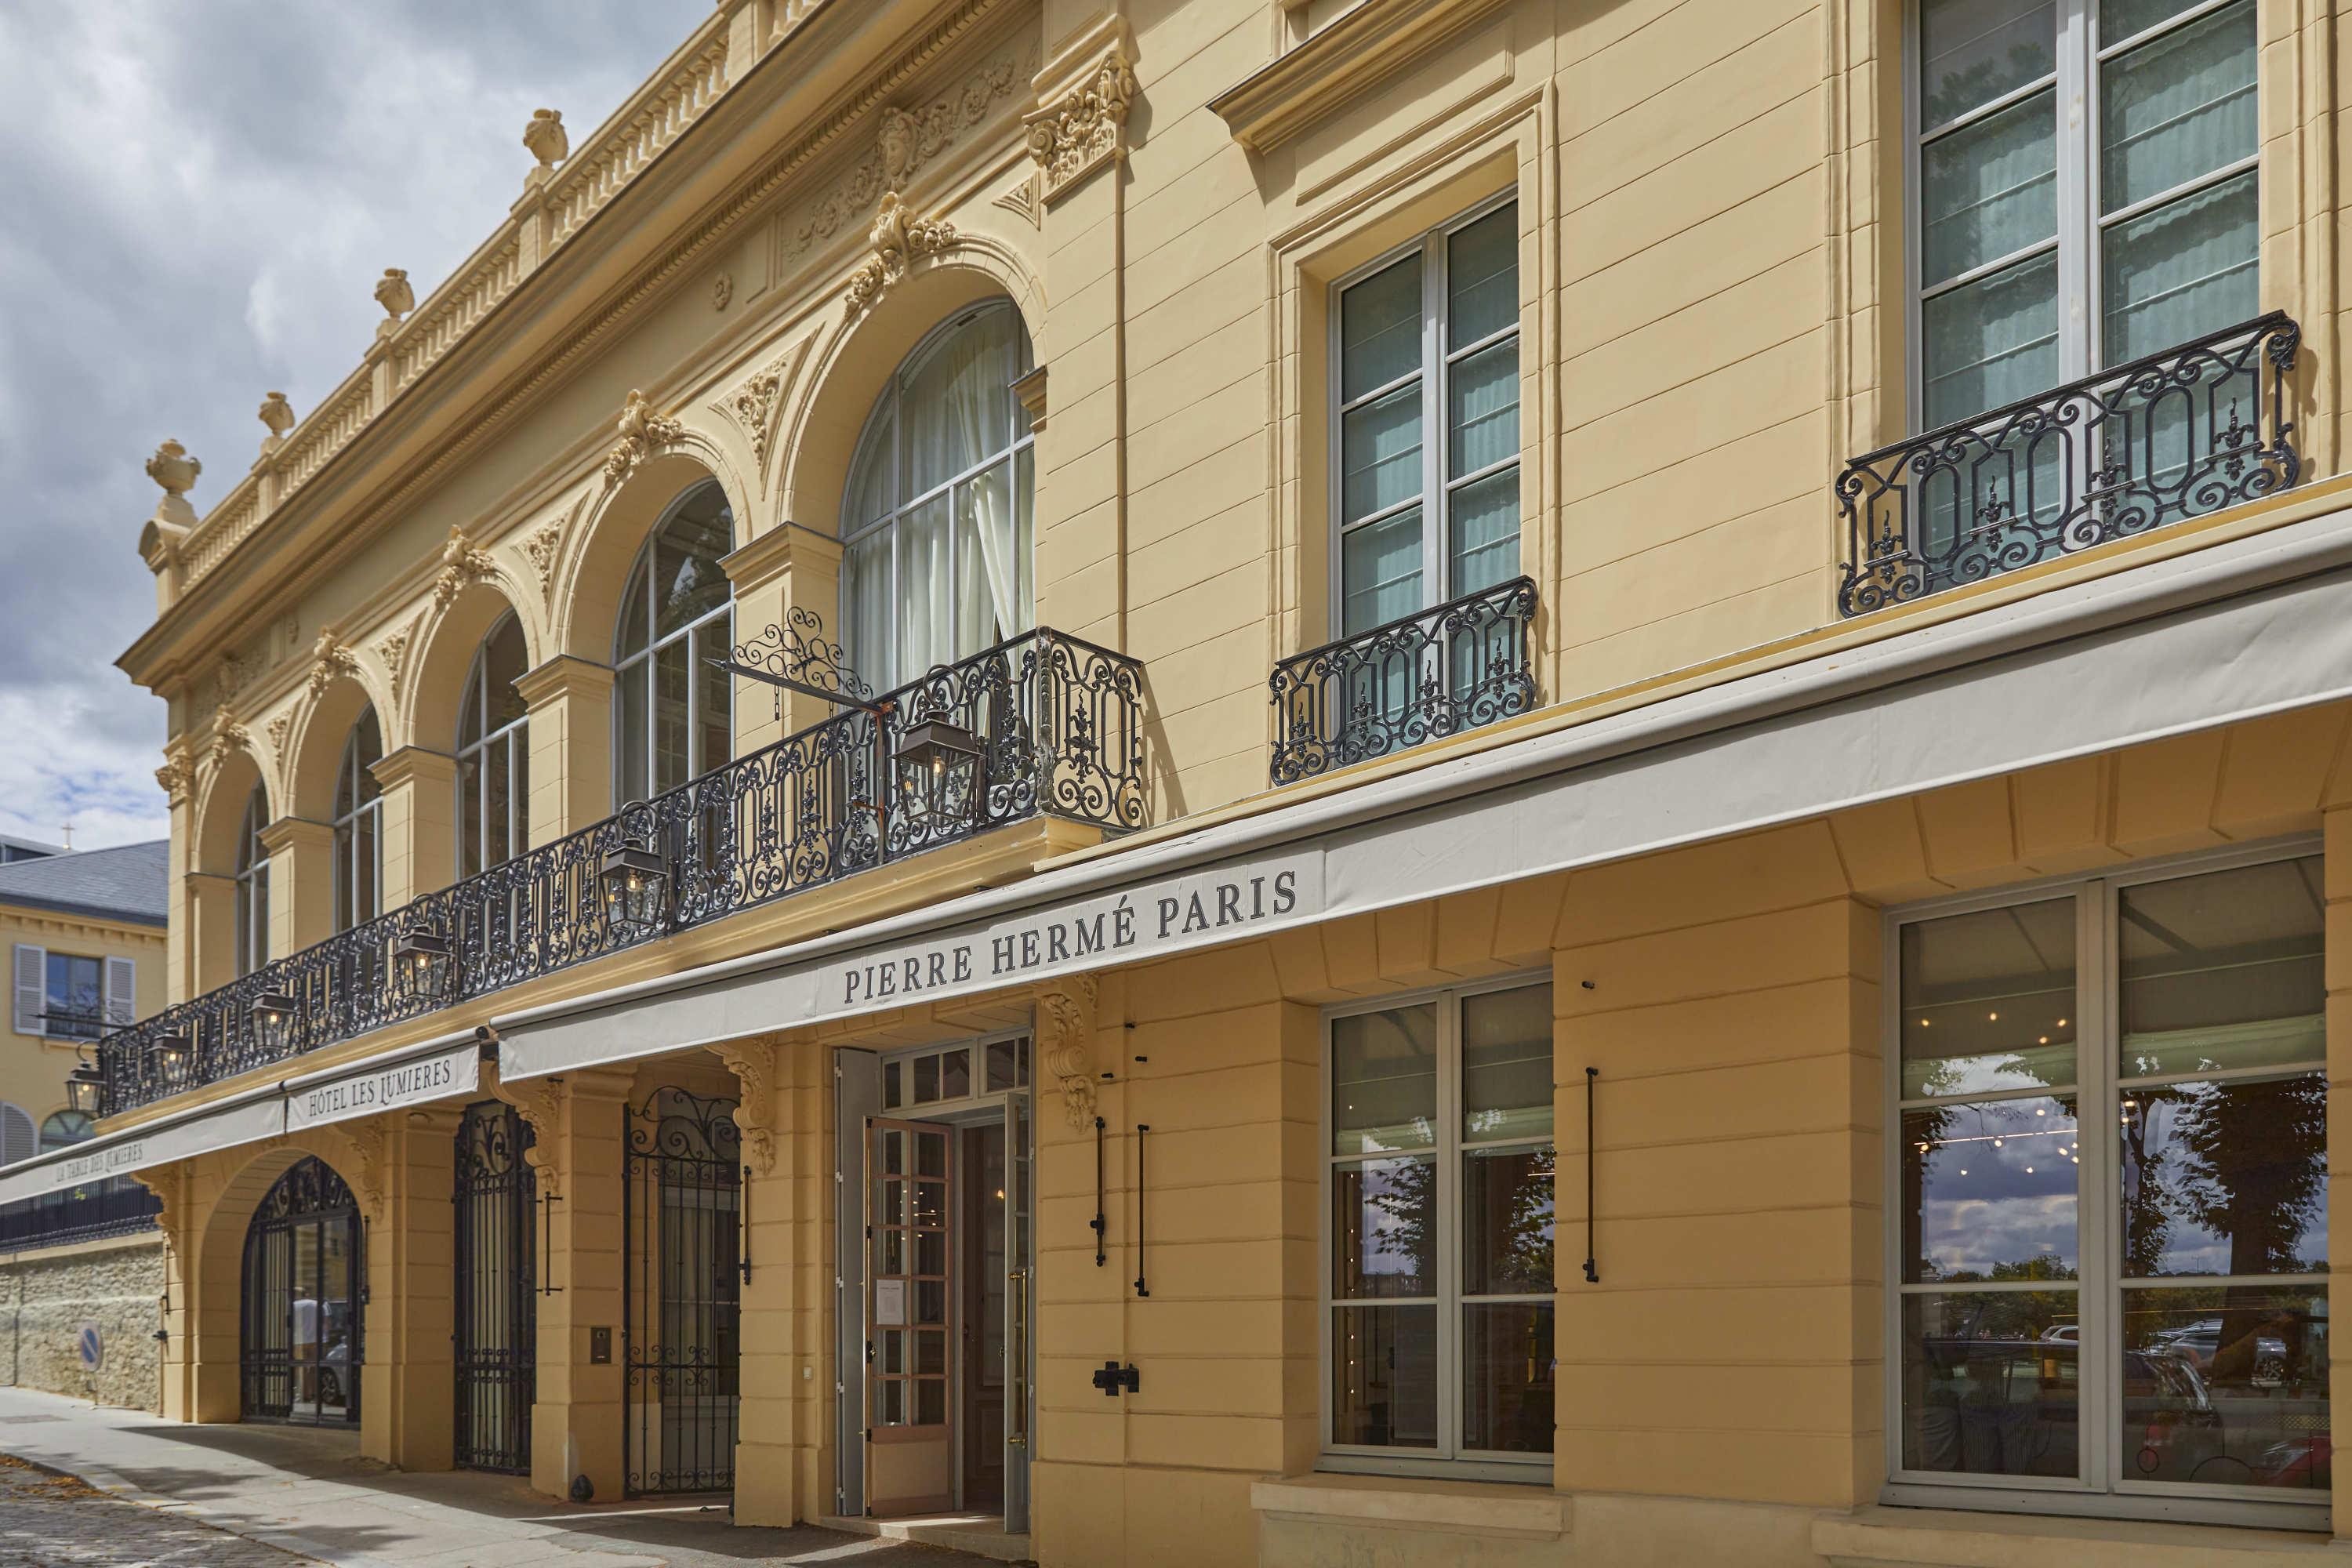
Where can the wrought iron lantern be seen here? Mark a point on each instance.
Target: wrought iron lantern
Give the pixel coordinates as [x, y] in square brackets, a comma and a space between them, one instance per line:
[86, 1090]
[936, 744]
[274, 1015]
[421, 958]
[172, 1055]
[632, 879]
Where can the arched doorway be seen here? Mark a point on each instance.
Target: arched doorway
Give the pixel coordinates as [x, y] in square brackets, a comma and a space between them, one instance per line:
[497, 1337]
[301, 1333]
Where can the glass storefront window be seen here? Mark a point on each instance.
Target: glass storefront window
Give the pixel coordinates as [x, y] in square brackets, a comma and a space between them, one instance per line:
[1439, 1269]
[2113, 1191]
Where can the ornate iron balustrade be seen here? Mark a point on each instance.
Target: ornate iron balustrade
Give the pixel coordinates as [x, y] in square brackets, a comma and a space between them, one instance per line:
[2174, 436]
[1055, 726]
[1444, 670]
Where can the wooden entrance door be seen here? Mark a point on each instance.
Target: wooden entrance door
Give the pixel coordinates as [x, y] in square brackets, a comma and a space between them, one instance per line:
[910, 1303]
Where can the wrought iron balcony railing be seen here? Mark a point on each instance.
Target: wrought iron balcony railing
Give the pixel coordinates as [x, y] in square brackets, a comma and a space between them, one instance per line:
[1448, 669]
[2175, 436]
[1041, 724]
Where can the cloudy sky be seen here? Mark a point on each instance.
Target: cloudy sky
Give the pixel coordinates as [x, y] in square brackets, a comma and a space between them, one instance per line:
[200, 196]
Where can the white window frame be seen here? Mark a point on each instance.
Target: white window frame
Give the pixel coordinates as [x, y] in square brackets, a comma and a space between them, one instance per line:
[626, 662]
[252, 885]
[886, 413]
[2107, 1493]
[1436, 498]
[516, 732]
[2082, 318]
[370, 811]
[1448, 1459]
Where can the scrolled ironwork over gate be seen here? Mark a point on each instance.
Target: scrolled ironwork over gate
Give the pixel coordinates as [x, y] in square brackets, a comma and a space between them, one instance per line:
[681, 1293]
[496, 1350]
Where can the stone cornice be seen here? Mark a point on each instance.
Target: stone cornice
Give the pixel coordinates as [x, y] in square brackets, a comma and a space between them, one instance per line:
[769, 554]
[1350, 58]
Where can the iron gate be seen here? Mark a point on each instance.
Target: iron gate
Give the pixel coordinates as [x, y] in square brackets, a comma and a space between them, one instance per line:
[682, 1291]
[299, 1330]
[497, 1347]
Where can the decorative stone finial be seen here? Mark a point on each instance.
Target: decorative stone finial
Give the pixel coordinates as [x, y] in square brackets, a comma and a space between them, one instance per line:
[279, 415]
[173, 468]
[545, 137]
[393, 292]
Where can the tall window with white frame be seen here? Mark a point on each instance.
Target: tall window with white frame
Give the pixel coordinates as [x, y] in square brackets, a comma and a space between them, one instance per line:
[1427, 418]
[2111, 1179]
[252, 885]
[1438, 1276]
[359, 825]
[674, 708]
[935, 523]
[494, 754]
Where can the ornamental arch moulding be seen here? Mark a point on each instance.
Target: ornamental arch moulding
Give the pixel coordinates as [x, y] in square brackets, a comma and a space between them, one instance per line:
[219, 815]
[315, 749]
[850, 369]
[594, 565]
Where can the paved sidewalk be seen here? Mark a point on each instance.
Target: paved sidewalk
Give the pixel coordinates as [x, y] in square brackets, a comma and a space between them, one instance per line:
[309, 1493]
[50, 1520]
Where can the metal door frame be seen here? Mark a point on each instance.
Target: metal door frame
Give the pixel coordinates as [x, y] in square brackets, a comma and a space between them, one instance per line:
[493, 1195]
[309, 1193]
[679, 1142]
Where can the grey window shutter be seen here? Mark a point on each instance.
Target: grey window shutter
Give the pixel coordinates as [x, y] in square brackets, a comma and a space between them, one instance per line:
[17, 1141]
[121, 990]
[32, 979]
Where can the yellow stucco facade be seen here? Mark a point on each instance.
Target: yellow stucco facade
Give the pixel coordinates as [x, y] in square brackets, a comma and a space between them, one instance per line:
[1713, 317]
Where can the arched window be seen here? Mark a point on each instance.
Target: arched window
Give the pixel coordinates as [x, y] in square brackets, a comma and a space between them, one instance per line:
[672, 707]
[493, 755]
[936, 524]
[252, 885]
[359, 821]
[63, 1128]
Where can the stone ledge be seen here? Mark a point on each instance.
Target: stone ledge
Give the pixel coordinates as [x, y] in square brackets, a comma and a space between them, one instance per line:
[1406, 1502]
[1949, 1538]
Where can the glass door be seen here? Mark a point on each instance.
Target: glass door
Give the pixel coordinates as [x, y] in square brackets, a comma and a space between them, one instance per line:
[909, 1297]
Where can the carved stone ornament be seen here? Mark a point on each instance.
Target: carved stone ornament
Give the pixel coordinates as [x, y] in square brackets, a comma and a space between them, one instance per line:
[462, 562]
[177, 776]
[373, 1142]
[393, 651]
[332, 659]
[539, 548]
[170, 1185]
[641, 430]
[233, 676]
[722, 291]
[393, 292]
[546, 137]
[228, 735]
[1023, 200]
[897, 241]
[1083, 131]
[279, 728]
[1065, 1038]
[752, 405]
[755, 1062]
[176, 472]
[540, 1102]
[279, 415]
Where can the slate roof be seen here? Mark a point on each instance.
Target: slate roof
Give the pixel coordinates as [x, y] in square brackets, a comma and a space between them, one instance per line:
[127, 883]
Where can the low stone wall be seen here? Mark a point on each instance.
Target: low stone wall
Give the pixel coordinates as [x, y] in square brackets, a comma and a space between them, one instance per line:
[47, 1296]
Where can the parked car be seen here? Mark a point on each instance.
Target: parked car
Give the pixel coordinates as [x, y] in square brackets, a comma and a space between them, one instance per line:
[2199, 1342]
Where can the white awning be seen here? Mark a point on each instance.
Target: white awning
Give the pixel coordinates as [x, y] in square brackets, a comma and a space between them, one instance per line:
[2229, 633]
[432, 1070]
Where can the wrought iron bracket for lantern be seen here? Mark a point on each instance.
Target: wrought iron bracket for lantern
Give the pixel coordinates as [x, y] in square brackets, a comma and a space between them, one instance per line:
[274, 1016]
[798, 657]
[425, 962]
[633, 879]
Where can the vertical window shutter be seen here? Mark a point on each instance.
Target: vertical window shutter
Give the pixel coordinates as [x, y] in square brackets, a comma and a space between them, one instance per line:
[32, 976]
[121, 990]
[17, 1141]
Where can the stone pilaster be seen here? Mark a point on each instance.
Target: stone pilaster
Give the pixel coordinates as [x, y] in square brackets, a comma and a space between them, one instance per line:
[420, 812]
[301, 883]
[782, 578]
[571, 702]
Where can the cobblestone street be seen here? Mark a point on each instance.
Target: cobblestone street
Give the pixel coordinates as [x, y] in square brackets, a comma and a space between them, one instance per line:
[50, 1520]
